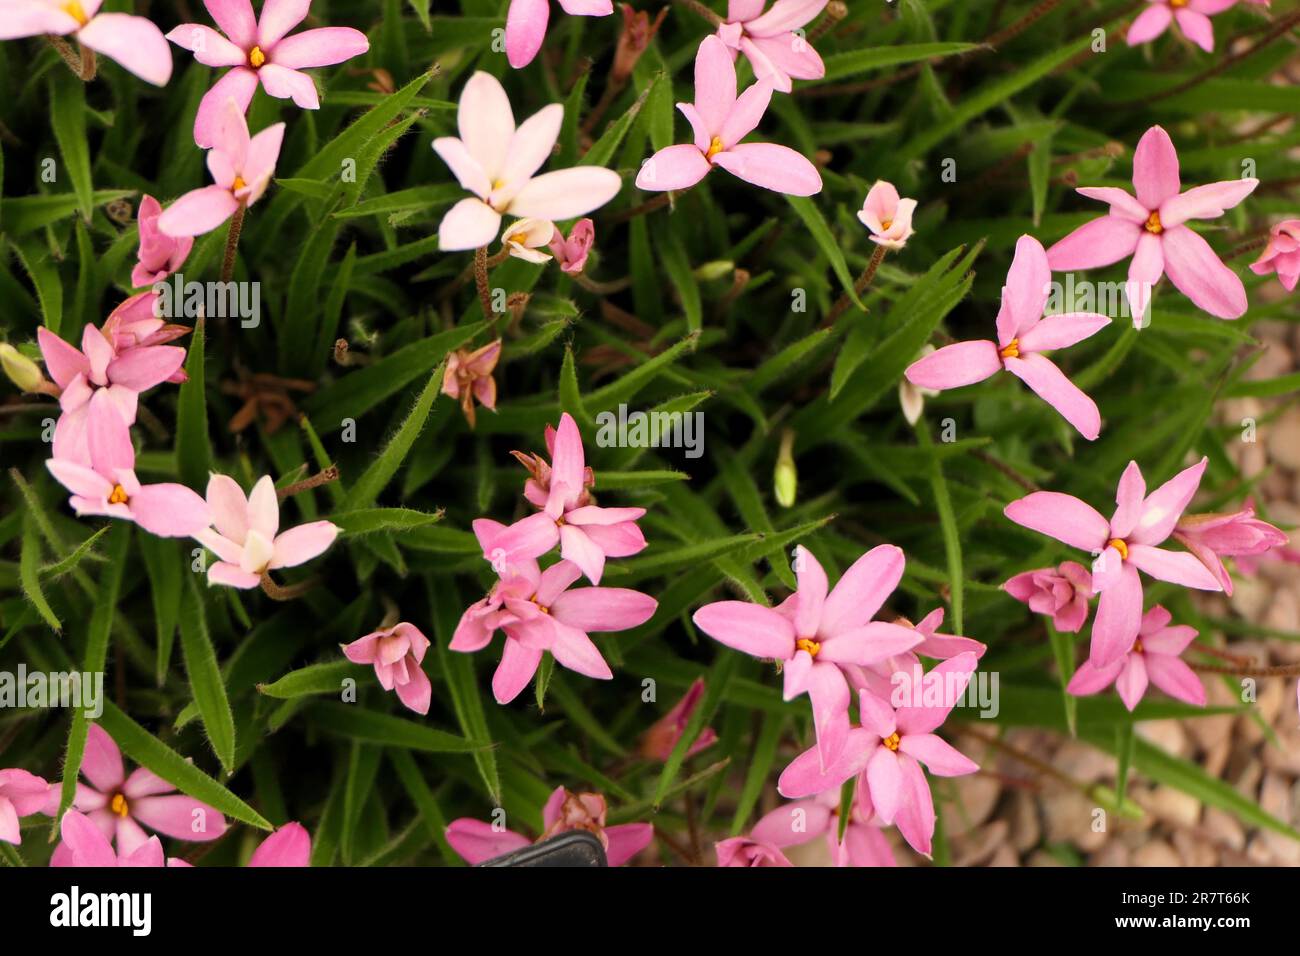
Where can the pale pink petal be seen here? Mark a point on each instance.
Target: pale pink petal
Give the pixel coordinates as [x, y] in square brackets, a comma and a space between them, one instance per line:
[916, 819]
[531, 146]
[1130, 498]
[715, 83]
[140, 369]
[956, 365]
[470, 224]
[785, 15]
[102, 762]
[770, 166]
[1198, 273]
[574, 649]
[1196, 27]
[674, 167]
[30, 19]
[463, 166]
[1101, 242]
[134, 42]
[575, 546]
[63, 361]
[939, 756]
[1155, 168]
[1149, 24]
[278, 18]
[477, 841]
[862, 589]
[1050, 384]
[745, 115]
[1028, 284]
[603, 609]
[1132, 680]
[321, 47]
[1121, 202]
[486, 122]
[885, 779]
[517, 667]
[870, 644]
[788, 55]
[288, 846]
[1205, 202]
[1090, 679]
[751, 628]
[948, 680]
[417, 692]
[285, 84]
[170, 510]
[811, 593]
[198, 211]
[179, 816]
[208, 46]
[1062, 517]
[1177, 567]
[1061, 331]
[587, 8]
[231, 576]
[79, 479]
[86, 845]
[805, 775]
[1164, 506]
[238, 84]
[303, 543]
[627, 840]
[829, 693]
[566, 193]
[525, 30]
[1119, 616]
[236, 19]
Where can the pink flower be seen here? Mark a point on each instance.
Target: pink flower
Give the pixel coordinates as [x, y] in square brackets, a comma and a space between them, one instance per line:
[1193, 18]
[21, 795]
[539, 613]
[1024, 334]
[397, 653]
[745, 851]
[526, 24]
[813, 633]
[524, 237]
[1212, 537]
[1154, 656]
[879, 677]
[477, 841]
[134, 42]
[497, 163]
[769, 41]
[587, 534]
[85, 845]
[117, 805]
[1152, 229]
[160, 254]
[289, 846]
[246, 539]
[802, 821]
[571, 253]
[469, 377]
[537, 488]
[258, 51]
[1126, 544]
[720, 120]
[888, 217]
[134, 324]
[1282, 255]
[1062, 592]
[241, 170]
[660, 740]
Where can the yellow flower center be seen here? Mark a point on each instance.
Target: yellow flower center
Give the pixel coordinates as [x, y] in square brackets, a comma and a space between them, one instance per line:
[74, 9]
[715, 147]
[1177, 4]
[118, 496]
[892, 741]
[1137, 645]
[1120, 545]
[119, 806]
[1012, 350]
[886, 225]
[238, 184]
[1153, 221]
[256, 57]
[808, 644]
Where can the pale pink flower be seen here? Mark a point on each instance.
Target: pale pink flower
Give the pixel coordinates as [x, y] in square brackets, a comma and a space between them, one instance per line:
[662, 738]
[571, 253]
[1282, 255]
[720, 120]
[136, 324]
[21, 795]
[241, 170]
[803, 821]
[1192, 16]
[469, 377]
[258, 51]
[289, 846]
[746, 851]
[159, 254]
[85, 845]
[540, 612]
[477, 841]
[1154, 656]
[117, 804]
[1062, 592]
[1212, 537]
[1125, 544]
[879, 677]
[813, 633]
[248, 541]
[537, 487]
[526, 24]
[524, 237]
[1152, 228]
[888, 217]
[134, 42]
[498, 164]
[911, 398]
[396, 653]
[770, 42]
[1024, 334]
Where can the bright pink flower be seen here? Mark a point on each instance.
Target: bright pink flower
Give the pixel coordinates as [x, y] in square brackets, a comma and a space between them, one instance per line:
[248, 540]
[802, 821]
[497, 163]
[879, 678]
[537, 488]
[397, 653]
[888, 217]
[21, 795]
[258, 51]
[1212, 537]
[1155, 656]
[1125, 544]
[1193, 17]
[769, 41]
[241, 170]
[85, 845]
[134, 42]
[1062, 592]
[720, 120]
[814, 633]
[160, 254]
[587, 534]
[1282, 255]
[289, 846]
[660, 740]
[565, 810]
[469, 377]
[1152, 229]
[1024, 334]
[539, 613]
[745, 851]
[117, 805]
[571, 253]
[526, 24]
[135, 324]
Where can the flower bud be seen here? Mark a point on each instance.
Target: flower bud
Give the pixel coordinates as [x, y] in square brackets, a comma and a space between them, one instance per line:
[786, 477]
[21, 370]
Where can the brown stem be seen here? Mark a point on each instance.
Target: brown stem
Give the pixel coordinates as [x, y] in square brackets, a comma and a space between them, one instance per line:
[600, 288]
[481, 282]
[698, 8]
[1034, 14]
[835, 11]
[65, 50]
[1028, 760]
[277, 593]
[1007, 470]
[1250, 245]
[315, 481]
[864, 280]
[1237, 670]
[88, 66]
[232, 243]
[1222, 655]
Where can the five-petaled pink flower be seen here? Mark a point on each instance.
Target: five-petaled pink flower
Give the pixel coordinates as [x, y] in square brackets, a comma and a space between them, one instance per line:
[887, 216]
[85, 845]
[813, 633]
[118, 804]
[497, 163]
[748, 852]
[258, 51]
[1063, 592]
[21, 795]
[661, 739]
[1155, 657]
[1212, 537]
[1024, 333]
[134, 42]
[160, 254]
[802, 821]
[397, 653]
[241, 169]
[1125, 544]
[526, 24]
[571, 253]
[1152, 228]
[246, 541]
[1193, 17]
[720, 120]
[1282, 255]
[477, 841]
[776, 52]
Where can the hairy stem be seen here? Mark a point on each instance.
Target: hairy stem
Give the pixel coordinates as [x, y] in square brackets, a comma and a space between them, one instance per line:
[232, 243]
[864, 280]
[315, 481]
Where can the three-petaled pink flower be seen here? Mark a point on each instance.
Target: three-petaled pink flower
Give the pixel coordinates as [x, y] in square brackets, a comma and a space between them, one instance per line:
[1192, 16]
[813, 633]
[1062, 592]
[241, 169]
[720, 120]
[571, 253]
[477, 841]
[497, 163]
[1024, 334]
[1125, 544]
[748, 852]
[802, 821]
[887, 216]
[160, 254]
[21, 795]
[1282, 255]
[777, 53]
[1212, 537]
[662, 738]
[526, 24]
[134, 42]
[396, 653]
[1154, 658]
[258, 51]
[1152, 228]
[248, 541]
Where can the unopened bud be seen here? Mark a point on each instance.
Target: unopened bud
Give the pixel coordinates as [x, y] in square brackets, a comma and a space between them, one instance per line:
[717, 269]
[786, 477]
[21, 370]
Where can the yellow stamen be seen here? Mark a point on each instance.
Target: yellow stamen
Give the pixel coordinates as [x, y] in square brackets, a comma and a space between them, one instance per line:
[1153, 224]
[892, 741]
[1012, 350]
[1137, 645]
[1120, 545]
[119, 806]
[544, 609]
[886, 225]
[119, 496]
[256, 57]
[74, 9]
[715, 147]
[1177, 4]
[238, 184]
[808, 644]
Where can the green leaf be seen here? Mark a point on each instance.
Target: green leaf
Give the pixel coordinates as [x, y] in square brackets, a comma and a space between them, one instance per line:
[68, 117]
[84, 550]
[821, 234]
[370, 520]
[602, 150]
[1063, 651]
[416, 199]
[30, 577]
[205, 676]
[357, 723]
[715, 687]
[948, 527]
[314, 679]
[193, 451]
[165, 563]
[842, 65]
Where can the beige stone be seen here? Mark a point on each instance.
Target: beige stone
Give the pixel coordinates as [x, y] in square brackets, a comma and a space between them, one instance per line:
[1156, 853]
[1223, 829]
[1172, 806]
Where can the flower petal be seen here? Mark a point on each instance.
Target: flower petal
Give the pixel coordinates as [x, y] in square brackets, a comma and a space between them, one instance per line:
[300, 544]
[751, 628]
[321, 47]
[778, 168]
[1050, 384]
[1198, 273]
[674, 167]
[1101, 242]
[1155, 168]
[962, 363]
[1062, 517]
[134, 42]
[566, 193]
